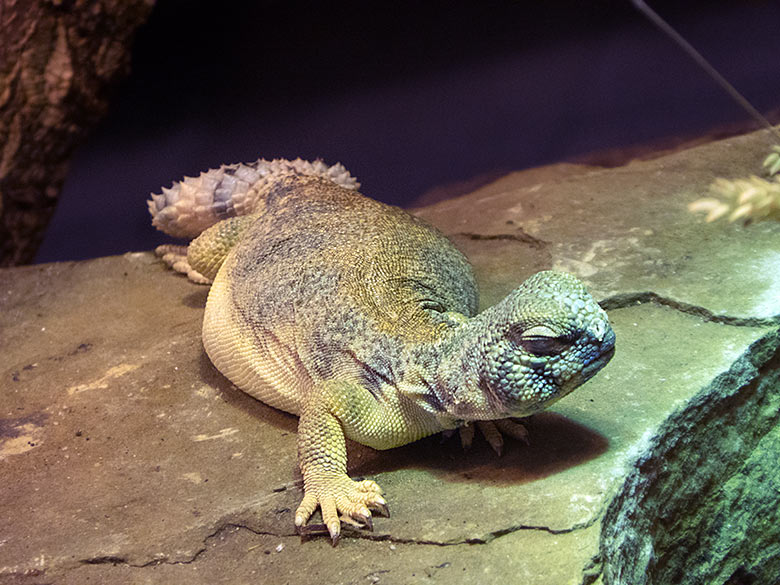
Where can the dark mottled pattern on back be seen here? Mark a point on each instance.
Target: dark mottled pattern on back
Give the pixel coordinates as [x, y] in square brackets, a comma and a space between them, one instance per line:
[357, 281]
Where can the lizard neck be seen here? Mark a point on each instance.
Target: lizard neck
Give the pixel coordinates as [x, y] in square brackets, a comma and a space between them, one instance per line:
[461, 383]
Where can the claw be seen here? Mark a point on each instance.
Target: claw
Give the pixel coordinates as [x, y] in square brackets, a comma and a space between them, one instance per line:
[334, 528]
[382, 510]
[367, 522]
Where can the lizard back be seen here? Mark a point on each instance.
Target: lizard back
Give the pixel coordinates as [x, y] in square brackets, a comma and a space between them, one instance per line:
[327, 284]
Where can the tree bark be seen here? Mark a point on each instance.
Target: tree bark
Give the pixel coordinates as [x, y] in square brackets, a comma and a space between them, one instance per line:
[58, 61]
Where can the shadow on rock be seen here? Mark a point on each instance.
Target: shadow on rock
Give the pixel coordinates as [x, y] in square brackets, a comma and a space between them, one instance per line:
[557, 443]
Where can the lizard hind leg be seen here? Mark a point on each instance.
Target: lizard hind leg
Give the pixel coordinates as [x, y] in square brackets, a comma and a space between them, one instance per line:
[201, 260]
[176, 259]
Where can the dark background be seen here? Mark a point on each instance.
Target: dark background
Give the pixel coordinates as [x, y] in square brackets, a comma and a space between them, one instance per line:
[408, 96]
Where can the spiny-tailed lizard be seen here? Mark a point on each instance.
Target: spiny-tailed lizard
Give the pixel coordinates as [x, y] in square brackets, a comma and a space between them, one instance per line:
[361, 319]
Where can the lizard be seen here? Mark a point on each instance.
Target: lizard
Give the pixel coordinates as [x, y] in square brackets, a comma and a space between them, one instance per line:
[361, 319]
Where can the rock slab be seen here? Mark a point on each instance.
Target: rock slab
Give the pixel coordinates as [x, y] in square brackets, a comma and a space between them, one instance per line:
[126, 458]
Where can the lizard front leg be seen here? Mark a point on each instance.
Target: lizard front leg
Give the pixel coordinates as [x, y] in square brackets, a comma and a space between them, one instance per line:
[322, 456]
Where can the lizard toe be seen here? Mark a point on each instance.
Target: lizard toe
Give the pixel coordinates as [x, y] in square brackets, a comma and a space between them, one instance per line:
[512, 428]
[492, 435]
[466, 433]
[368, 485]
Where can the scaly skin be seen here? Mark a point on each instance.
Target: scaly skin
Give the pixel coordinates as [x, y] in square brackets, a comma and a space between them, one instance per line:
[361, 319]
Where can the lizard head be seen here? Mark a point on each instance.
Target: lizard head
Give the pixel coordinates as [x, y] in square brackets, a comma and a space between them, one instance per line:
[547, 337]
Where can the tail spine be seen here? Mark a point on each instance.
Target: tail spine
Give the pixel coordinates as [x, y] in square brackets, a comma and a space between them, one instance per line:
[194, 204]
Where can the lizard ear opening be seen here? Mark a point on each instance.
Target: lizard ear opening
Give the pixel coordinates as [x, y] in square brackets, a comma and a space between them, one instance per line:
[539, 340]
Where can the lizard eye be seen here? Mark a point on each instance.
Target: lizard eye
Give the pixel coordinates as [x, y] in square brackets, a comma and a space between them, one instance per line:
[540, 340]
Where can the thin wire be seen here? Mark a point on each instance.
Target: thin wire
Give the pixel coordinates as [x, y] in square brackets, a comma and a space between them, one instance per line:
[704, 64]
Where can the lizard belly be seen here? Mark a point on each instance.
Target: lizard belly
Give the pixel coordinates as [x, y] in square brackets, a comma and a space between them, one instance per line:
[258, 364]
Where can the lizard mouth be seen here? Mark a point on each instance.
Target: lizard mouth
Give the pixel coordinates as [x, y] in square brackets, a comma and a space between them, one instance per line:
[588, 371]
[593, 367]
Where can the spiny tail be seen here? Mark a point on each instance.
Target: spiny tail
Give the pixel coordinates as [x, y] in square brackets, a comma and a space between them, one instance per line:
[190, 206]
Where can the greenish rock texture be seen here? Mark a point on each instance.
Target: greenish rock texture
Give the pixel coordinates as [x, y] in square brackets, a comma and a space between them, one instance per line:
[125, 457]
[702, 504]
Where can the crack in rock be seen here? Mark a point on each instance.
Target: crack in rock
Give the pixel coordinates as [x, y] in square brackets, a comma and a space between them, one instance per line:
[522, 237]
[486, 539]
[578, 526]
[625, 300]
[105, 560]
[164, 560]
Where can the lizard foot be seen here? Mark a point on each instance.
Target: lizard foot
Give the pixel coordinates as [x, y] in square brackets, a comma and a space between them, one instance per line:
[176, 258]
[340, 499]
[493, 430]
